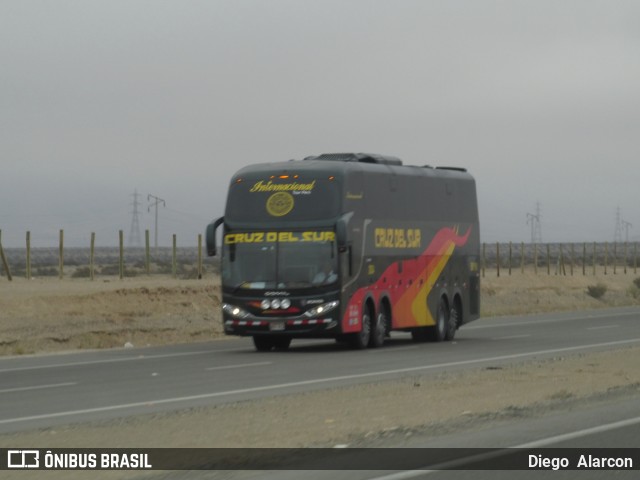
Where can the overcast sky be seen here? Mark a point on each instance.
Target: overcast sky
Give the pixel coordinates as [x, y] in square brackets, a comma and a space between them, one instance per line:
[540, 100]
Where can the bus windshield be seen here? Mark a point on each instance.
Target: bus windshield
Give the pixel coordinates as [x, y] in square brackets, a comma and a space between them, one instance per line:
[268, 260]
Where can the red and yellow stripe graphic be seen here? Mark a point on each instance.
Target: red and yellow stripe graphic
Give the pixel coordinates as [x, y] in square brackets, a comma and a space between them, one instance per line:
[411, 308]
[420, 276]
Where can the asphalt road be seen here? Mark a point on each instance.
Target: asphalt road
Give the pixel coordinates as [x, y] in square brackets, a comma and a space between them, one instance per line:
[47, 390]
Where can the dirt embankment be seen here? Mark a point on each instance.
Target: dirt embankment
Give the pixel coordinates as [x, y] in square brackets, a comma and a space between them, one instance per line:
[519, 294]
[46, 315]
[52, 315]
[63, 315]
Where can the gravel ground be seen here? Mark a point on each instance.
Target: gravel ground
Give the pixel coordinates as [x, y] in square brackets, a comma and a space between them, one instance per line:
[361, 415]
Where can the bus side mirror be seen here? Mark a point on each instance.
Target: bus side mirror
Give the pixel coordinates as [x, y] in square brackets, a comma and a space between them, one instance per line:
[210, 236]
[341, 230]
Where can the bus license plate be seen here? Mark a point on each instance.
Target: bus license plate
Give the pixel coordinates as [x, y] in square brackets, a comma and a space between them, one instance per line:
[276, 326]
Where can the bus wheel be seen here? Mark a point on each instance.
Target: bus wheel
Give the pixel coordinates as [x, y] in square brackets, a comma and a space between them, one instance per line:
[263, 343]
[361, 339]
[438, 332]
[379, 331]
[281, 343]
[452, 324]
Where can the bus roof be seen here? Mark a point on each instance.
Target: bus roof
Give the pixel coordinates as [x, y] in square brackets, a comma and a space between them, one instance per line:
[342, 163]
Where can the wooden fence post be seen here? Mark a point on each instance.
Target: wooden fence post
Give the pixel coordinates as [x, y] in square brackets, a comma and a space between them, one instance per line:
[199, 256]
[562, 269]
[28, 255]
[572, 254]
[174, 260]
[92, 249]
[5, 264]
[548, 260]
[121, 258]
[61, 256]
[147, 254]
[625, 257]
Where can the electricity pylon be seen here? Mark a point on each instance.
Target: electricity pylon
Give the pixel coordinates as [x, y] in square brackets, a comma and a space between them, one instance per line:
[155, 204]
[536, 227]
[134, 232]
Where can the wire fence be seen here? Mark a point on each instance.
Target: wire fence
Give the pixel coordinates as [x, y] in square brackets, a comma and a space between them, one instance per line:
[500, 258]
[584, 258]
[92, 261]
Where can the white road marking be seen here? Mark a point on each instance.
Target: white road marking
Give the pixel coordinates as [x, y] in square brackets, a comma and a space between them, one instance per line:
[37, 387]
[122, 359]
[603, 327]
[391, 349]
[580, 433]
[511, 337]
[225, 367]
[314, 382]
[544, 442]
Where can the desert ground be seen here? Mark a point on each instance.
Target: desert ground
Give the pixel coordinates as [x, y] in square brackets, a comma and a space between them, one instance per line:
[45, 315]
[48, 314]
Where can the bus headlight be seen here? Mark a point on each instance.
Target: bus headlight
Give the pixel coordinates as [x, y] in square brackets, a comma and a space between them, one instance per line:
[276, 304]
[285, 303]
[322, 309]
[235, 312]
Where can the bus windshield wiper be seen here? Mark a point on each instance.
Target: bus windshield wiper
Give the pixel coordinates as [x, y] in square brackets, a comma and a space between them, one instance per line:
[239, 286]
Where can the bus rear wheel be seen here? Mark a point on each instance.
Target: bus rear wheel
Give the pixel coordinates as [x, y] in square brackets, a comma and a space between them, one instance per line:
[441, 330]
[452, 324]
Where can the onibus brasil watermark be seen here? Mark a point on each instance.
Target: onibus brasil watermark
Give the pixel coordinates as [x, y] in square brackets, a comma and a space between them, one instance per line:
[48, 460]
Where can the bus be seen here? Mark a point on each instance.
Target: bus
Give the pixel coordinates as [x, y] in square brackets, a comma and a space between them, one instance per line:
[349, 246]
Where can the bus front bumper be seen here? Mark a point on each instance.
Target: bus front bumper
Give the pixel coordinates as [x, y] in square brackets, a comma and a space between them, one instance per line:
[308, 327]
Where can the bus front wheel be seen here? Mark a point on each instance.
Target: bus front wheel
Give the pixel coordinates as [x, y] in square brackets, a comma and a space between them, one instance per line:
[379, 331]
[361, 339]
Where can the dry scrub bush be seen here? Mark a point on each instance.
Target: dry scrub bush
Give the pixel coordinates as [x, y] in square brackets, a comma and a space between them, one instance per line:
[597, 291]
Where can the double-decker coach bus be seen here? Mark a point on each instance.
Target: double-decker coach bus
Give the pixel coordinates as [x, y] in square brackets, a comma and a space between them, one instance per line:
[348, 246]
